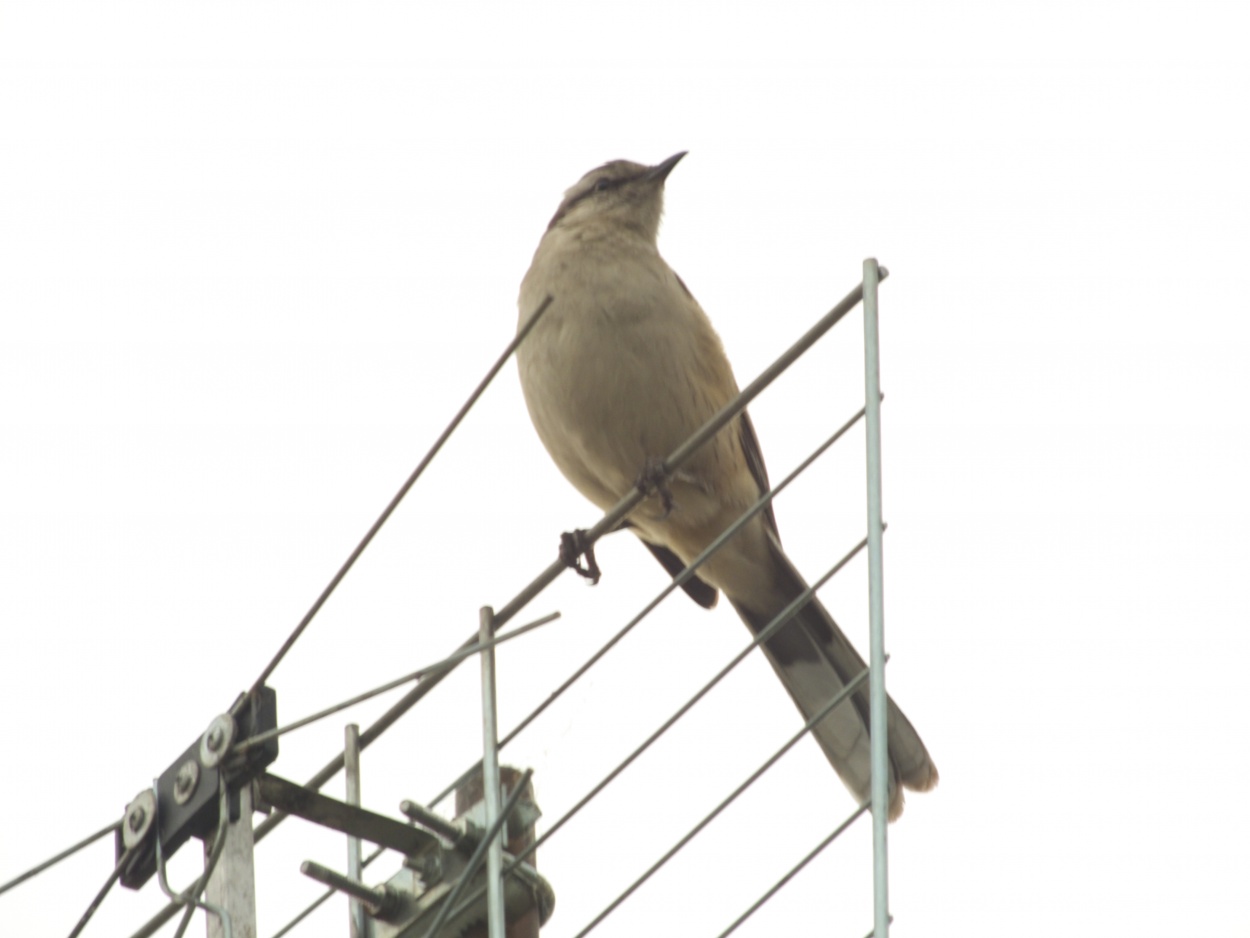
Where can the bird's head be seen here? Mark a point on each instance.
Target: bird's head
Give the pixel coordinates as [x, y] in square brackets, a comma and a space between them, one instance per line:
[619, 193]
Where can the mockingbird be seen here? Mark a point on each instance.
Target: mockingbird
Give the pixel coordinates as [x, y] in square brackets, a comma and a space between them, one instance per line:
[623, 367]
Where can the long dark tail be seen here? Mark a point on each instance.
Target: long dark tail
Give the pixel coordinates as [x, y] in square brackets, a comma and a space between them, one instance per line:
[815, 661]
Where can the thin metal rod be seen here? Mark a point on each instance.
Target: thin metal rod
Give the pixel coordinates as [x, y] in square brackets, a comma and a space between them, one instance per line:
[351, 775]
[99, 896]
[399, 496]
[464, 652]
[490, 779]
[794, 870]
[321, 900]
[766, 633]
[357, 892]
[431, 820]
[493, 832]
[763, 502]
[53, 861]
[613, 518]
[729, 799]
[879, 751]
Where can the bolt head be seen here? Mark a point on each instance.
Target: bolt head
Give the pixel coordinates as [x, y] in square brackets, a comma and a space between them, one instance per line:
[185, 781]
[215, 737]
[136, 817]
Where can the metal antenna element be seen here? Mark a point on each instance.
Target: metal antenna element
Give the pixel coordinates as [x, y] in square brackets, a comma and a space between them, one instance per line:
[879, 752]
[490, 780]
[351, 757]
[399, 496]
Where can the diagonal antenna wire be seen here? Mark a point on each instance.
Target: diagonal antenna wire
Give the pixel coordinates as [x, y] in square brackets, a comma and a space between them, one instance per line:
[68, 852]
[729, 799]
[399, 496]
[794, 870]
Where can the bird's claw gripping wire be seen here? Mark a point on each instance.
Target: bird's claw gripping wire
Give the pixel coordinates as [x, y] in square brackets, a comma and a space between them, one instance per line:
[654, 481]
[574, 546]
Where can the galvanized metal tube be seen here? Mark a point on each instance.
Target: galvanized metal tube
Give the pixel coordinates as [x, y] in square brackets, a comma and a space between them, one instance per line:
[490, 778]
[876, 614]
[351, 766]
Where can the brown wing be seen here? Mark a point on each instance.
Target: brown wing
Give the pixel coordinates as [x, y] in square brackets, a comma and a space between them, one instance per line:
[755, 462]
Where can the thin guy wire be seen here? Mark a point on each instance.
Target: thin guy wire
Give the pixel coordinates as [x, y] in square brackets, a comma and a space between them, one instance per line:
[264, 737]
[104, 891]
[399, 496]
[53, 861]
[778, 621]
[794, 870]
[763, 502]
[729, 799]
[479, 851]
[544, 579]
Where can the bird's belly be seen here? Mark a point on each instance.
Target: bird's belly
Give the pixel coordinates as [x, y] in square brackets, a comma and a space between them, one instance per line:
[604, 399]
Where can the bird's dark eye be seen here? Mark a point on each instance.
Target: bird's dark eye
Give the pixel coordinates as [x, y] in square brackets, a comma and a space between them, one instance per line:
[603, 185]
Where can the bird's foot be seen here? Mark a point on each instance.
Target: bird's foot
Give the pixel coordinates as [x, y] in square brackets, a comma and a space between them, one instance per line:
[574, 546]
[654, 481]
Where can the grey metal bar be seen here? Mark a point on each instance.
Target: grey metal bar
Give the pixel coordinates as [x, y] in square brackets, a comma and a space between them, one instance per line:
[351, 765]
[53, 861]
[361, 896]
[490, 779]
[729, 799]
[794, 870]
[316, 807]
[876, 618]
[399, 496]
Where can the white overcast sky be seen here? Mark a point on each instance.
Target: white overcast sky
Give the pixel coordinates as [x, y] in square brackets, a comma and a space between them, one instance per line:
[254, 256]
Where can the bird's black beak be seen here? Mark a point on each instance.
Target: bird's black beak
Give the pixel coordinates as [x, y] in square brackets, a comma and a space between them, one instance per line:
[660, 171]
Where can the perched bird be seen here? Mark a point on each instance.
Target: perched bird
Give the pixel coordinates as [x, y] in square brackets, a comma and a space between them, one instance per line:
[621, 369]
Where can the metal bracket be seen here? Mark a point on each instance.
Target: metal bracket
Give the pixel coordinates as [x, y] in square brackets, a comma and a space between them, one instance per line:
[186, 802]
